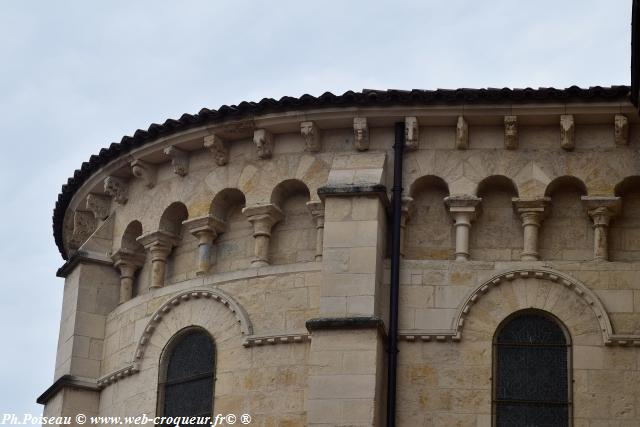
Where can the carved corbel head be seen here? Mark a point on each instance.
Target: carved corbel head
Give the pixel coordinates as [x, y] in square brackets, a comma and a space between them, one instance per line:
[99, 205]
[621, 129]
[218, 147]
[144, 171]
[84, 224]
[462, 134]
[510, 132]
[411, 133]
[264, 143]
[311, 134]
[361, 133]
[117, 188]
[567, 132]
[179, 160]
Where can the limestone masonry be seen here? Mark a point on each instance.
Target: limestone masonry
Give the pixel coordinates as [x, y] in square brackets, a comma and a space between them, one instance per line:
[267, 226]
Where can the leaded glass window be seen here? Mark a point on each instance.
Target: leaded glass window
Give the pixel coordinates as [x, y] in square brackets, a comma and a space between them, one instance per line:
[531, 372]
[189, 367]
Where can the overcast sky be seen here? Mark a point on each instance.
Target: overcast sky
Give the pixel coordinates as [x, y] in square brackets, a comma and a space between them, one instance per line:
[77, 75]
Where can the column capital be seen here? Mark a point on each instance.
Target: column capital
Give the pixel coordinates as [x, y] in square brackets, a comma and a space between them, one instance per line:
[263, 217]
[316, 208]
[205, 225]
[124, 258]
[601, 209]
[464, 204]
[407, 209]
[159, 241]
[531, 210]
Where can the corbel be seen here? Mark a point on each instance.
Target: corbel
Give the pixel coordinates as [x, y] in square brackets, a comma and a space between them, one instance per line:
[264, 143]
[567, 132]
[510, 132]
[218, 147]
[621, 130]
[361, 133]
[118, 188]
[311, 135]
[99, 205]
[462, 134]
[84, 224]
[179, 160]
[411, 133]
[145, 171]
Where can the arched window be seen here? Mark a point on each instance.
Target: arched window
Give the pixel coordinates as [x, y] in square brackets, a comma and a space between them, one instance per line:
[187, 375]
[531, 371]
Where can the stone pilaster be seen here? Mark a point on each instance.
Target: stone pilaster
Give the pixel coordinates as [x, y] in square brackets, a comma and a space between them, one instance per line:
[127, 263]
[601, 210]
[263, 218]
[531, 212]
[316, 209]
[159, 244]
[464, 210]
[206, 229]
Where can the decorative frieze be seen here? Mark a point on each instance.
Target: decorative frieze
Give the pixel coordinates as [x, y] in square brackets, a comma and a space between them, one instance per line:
[145, 171]
[264, 143]
[118, 188]
[567, 132]
[127, 262]
[316, 208]
[462, 134]
[510, 132]
[99, 205]
[179, 160]
[263, 218]
[601, 210]
[411, 133]
[259, 340]
[159, 244]
[361, 133]
[531, 212]
[463, 209]
[218, 147]
[621, 130]
[206, 229]
[311, 135]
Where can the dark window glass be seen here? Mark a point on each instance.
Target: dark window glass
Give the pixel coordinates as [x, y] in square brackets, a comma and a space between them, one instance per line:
[188, 388]
[531, 383]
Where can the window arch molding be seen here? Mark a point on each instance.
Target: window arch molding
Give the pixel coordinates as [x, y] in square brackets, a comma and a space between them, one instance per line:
[532, 370]
[187, 368]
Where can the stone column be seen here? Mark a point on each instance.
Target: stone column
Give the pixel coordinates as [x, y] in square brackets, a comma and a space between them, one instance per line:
[127, 262]
[531, 212]
[317, 212]
[263, 218]
[159, 244]
[463, 209]
[206, 229]
[405, 215]
[601, 210]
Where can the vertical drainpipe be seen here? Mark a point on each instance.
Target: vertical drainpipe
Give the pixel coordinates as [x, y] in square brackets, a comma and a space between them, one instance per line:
[392, 348]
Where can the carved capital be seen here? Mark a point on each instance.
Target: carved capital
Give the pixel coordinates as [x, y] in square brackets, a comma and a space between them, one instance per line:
[510, 132]
[311, 134]
[205, 227]
[127, 261]
[361, 133]
[465, 206]
[159, 243]
[601, 209]
[84, 224]
[462, 134]
[316, 209]
[179, 160]
[218, 147]
[407, 210]
[263, 217]
[411, 133]
[567, 132]
[99, 205]
[118, 188]
[145, 171]
[621, 130]
[264, 143]
[531, 211]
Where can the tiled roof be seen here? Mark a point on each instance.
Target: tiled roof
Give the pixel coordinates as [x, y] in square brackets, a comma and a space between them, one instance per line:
[366, 98]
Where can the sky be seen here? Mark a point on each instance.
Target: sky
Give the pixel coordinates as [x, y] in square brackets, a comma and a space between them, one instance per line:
[78, 75]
